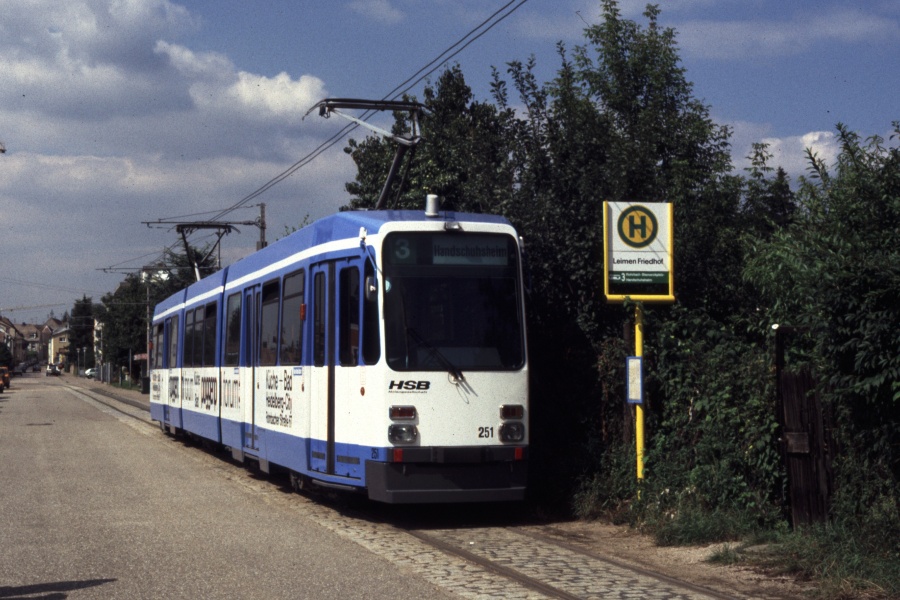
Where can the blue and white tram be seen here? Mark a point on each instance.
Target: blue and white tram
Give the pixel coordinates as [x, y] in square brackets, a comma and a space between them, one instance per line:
[382, 351]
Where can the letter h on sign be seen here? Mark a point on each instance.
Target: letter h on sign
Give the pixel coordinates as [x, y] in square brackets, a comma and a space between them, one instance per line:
[637, 223]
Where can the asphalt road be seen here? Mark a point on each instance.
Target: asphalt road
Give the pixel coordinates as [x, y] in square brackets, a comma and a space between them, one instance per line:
[94, 504]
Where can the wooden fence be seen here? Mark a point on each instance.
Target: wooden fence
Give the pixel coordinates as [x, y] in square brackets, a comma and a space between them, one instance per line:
[806, 441]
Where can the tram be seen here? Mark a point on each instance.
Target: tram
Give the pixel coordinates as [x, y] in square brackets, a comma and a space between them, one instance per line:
[379, 351]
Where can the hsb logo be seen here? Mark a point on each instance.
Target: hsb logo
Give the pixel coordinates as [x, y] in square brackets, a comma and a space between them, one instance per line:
[409, 385]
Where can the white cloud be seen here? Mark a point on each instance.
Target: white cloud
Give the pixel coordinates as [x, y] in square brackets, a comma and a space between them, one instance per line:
[566, 25]
[215, 86]
[279, 96]
[381, 11]
[87, 59]
[99, 60]
[759, 38]
[192, 65]
[788, 152]
[77, 201]
[109, 120]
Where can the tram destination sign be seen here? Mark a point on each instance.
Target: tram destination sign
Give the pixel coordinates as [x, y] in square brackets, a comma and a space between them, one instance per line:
[461, 249]
[637, 251]
[470, 250]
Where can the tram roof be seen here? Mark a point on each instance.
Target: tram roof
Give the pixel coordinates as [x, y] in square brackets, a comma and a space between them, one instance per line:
[206, 287]
[340, 226]
[173, 301]
[346, 224]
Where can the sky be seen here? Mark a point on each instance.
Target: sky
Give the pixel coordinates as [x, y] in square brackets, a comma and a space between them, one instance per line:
[116, 113]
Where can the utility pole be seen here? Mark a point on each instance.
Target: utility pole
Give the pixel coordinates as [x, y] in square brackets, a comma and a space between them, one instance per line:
[222, 228]
[262, 227]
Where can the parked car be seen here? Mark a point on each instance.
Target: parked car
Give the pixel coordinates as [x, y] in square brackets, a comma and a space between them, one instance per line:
[4, 376]
[51, 370]
[90, 373]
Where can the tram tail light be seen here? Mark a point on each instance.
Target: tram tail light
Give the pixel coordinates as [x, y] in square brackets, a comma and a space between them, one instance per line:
[512, 411]
[402, 413]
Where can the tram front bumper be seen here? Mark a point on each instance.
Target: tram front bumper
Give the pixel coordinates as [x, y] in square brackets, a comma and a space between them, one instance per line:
[428, 482]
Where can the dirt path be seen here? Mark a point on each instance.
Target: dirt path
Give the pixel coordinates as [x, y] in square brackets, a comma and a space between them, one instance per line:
[688, 563]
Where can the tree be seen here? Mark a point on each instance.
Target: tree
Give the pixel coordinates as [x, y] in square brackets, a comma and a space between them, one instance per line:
[769, 204]
[81, 333]
[665, 148]
[462, 158]
[125, 321]
[835, 274]
[125, 312]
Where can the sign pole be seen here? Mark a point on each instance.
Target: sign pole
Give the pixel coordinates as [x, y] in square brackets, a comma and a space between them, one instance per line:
[638, 251]
[639, 408]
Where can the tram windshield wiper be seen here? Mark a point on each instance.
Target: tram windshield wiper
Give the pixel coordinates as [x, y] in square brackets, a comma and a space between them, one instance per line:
[436, 354]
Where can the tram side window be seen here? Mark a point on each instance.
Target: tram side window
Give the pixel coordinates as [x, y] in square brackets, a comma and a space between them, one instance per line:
[371, 341]
[172, 342]
[268, 328]
[349, 340]
[319, 320]
[209, 335]
[233, 330]
[157, 353]
[292, 319]
[197, 339]
[188, 357]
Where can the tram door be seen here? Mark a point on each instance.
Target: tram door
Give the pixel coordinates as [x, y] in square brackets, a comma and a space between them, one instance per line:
[251, 362]
[173, 373]
[322, 398]
[336, 311]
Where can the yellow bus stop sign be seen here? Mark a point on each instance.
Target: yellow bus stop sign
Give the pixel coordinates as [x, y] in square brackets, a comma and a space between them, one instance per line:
[638, 239]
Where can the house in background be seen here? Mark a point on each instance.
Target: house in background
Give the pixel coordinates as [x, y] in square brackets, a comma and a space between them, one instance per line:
[11, 337]
[50, 325]
[58, 349]
[48, 342]
[35, 349]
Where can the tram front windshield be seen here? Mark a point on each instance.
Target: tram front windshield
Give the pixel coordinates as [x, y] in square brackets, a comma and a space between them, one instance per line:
[452, 302]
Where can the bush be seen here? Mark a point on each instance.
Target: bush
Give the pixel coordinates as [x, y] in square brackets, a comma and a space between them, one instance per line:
[714, 427]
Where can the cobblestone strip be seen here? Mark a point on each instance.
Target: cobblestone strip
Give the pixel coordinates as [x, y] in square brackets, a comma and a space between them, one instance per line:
[575, 573]
[450, 573]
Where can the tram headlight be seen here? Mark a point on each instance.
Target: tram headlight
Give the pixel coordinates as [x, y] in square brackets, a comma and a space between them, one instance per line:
[512, 432]
[403, 433]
